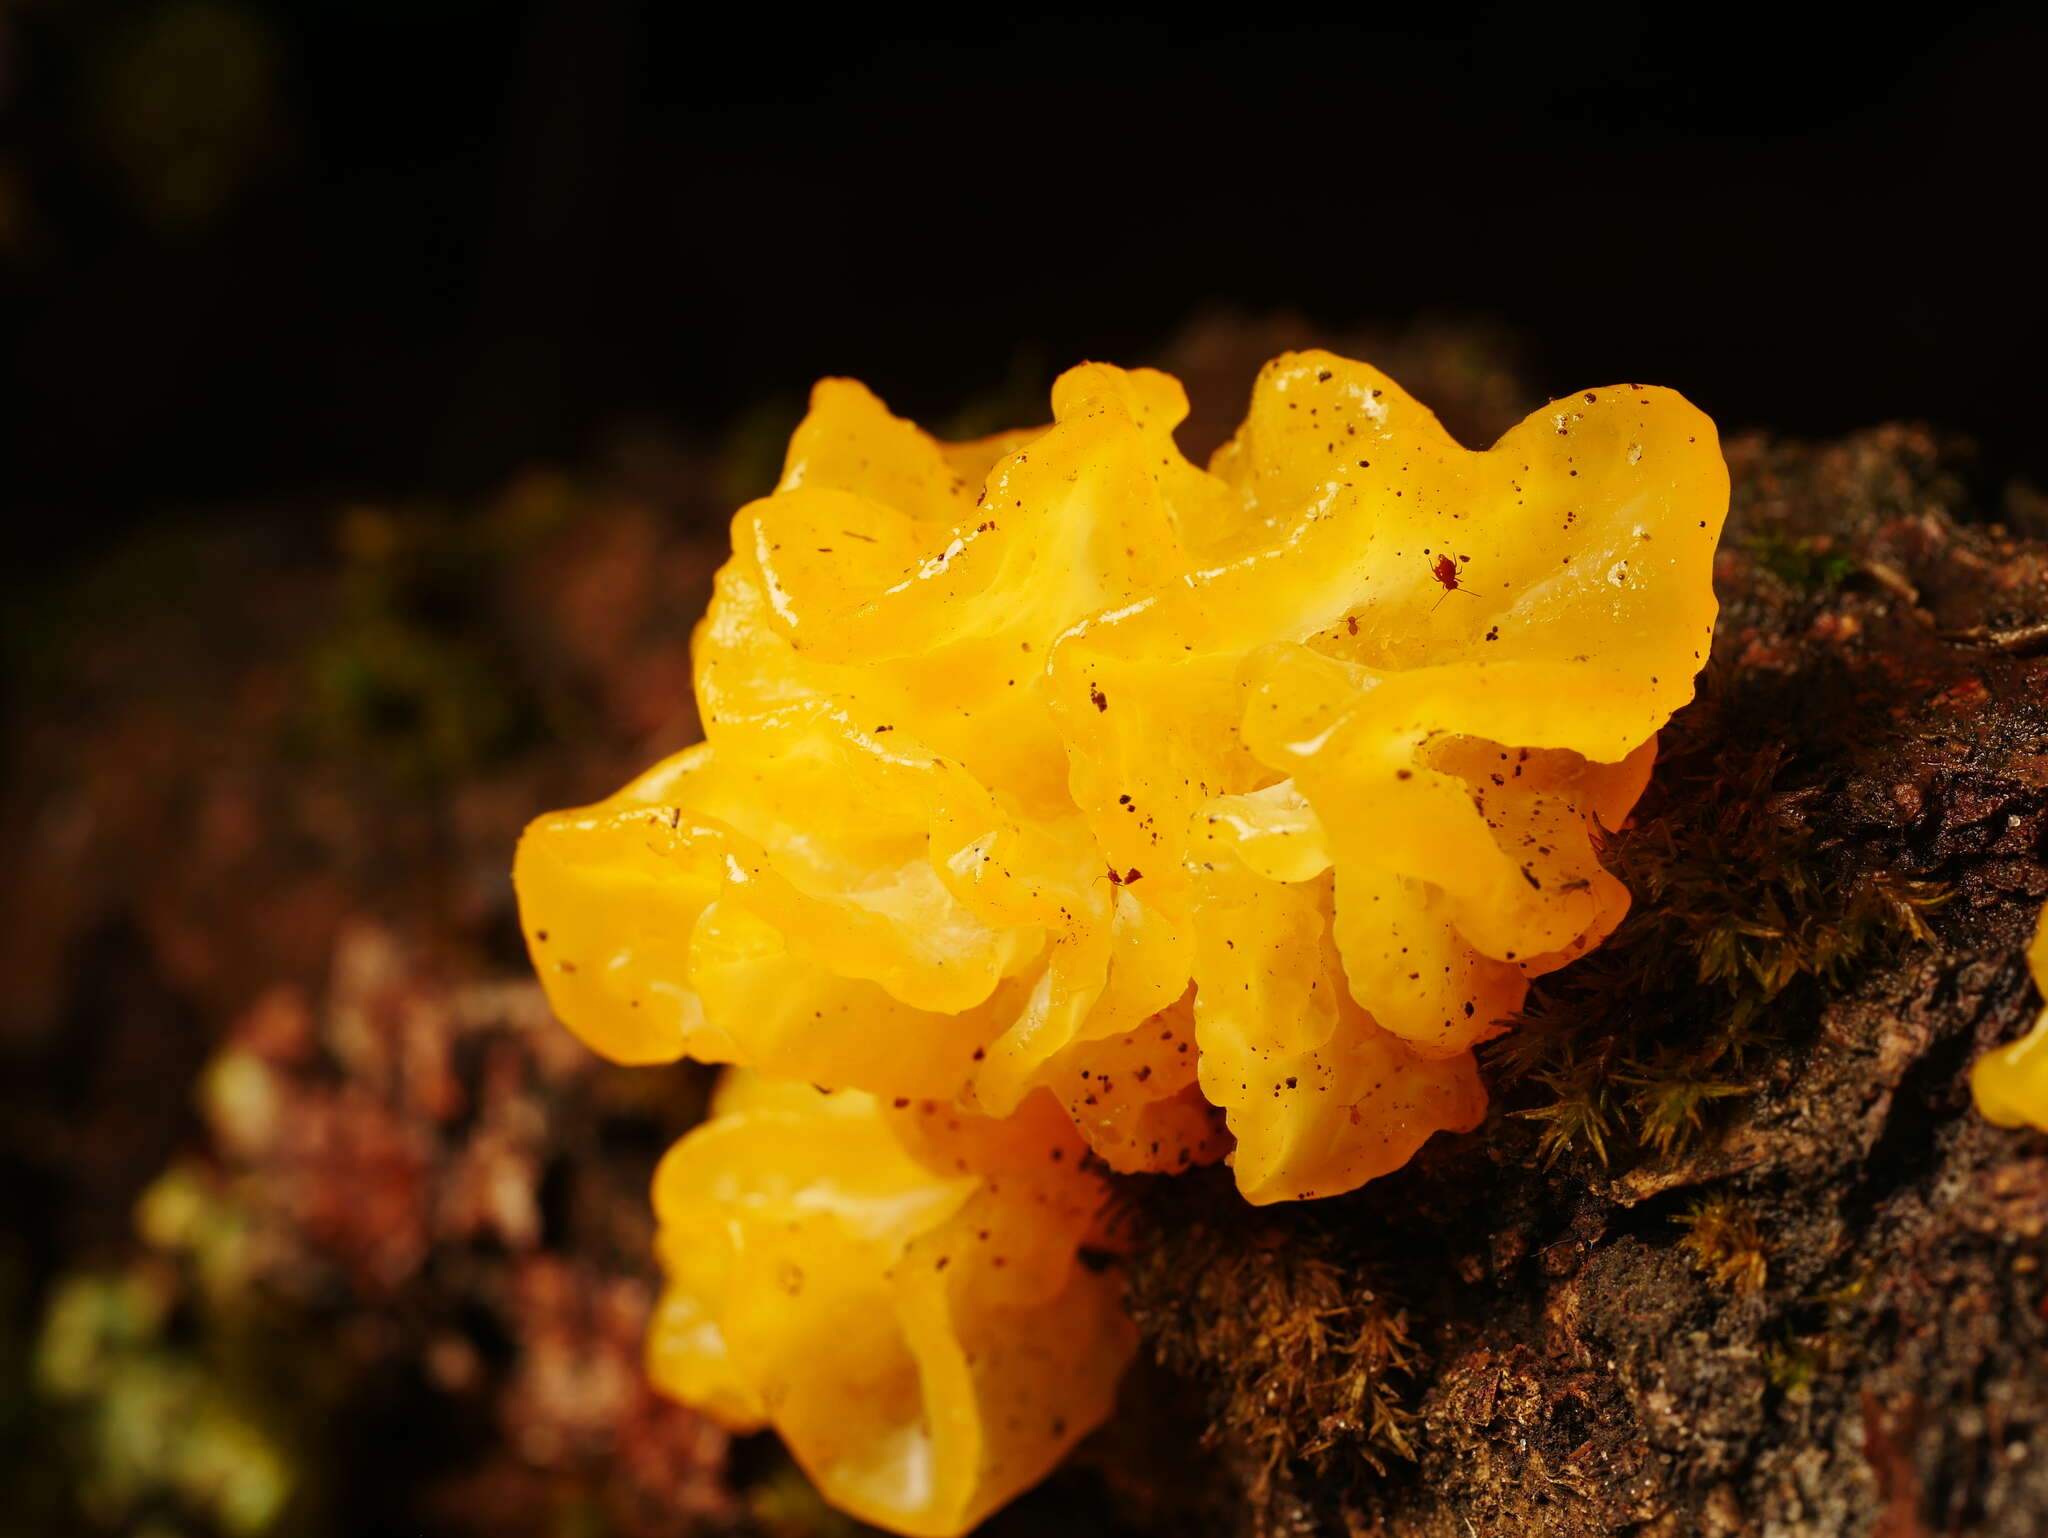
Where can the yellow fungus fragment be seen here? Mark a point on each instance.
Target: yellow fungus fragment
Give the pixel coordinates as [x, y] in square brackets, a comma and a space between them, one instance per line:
[1266, 788]
[2010, 1083]
[899, 1290]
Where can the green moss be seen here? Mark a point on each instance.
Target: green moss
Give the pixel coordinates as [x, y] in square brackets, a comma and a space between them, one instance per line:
[1726, 1243]
[1790, 1366]
[1812, 564]
[1739, 918]
[1307, 1360]
[409, 677]
[1670, 1102]
[1816, 1337]
[155, 1423]
[179, 1389]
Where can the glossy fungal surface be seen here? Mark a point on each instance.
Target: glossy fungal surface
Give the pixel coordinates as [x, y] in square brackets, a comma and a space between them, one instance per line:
[900, 1291]
[2010, 1083]
[1065, 807]
[1265, 788]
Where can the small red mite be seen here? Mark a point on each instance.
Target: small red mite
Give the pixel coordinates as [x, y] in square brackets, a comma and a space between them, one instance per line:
[1445, 570]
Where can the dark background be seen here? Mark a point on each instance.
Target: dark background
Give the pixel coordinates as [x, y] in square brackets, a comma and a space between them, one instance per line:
[252, 251]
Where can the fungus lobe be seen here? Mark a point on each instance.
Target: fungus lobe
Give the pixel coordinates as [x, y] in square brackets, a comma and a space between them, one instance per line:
[2010, 1083]
[1157, 739]
[898, 1290]
[1049, 776]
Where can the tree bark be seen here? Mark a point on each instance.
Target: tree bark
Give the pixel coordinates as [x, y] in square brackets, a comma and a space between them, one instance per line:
[1733, 1253]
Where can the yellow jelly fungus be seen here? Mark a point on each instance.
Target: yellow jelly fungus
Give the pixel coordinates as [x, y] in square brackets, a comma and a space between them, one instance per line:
[2011, 1083]
[899, 1289]
[1052, 761]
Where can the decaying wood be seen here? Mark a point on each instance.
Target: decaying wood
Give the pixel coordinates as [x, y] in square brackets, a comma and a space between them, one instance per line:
[1585, 1360]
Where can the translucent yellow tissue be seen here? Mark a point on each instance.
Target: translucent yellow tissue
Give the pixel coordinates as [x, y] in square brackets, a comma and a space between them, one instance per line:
[1265, 788]
[1064, 805]
[900, 1292]
[2011, 1083]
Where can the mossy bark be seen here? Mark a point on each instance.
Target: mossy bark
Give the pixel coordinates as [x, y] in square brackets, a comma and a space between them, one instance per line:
[1733, 1253]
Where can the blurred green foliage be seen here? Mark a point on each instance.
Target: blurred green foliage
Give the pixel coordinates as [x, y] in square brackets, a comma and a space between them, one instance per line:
[154, 1422]
[174, 1392]
[410, 676]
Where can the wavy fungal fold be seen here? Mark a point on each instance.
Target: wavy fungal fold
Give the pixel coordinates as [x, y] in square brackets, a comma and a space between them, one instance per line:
[900, 1291]
[2010, 1083]
[1209, 813]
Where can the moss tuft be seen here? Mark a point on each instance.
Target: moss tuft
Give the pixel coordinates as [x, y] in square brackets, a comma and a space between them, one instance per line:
[1813, 563]
[1815, 1338]
[1725, 1242]
[1305, 1357]
[1737, 907]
